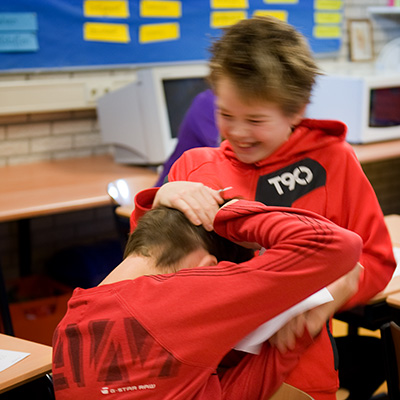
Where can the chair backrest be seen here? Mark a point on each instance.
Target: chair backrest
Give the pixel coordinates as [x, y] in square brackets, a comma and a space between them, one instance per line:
[390, 334]
[288, 392]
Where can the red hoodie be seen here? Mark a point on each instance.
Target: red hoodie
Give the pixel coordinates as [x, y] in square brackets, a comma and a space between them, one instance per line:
[314, 170]
[162, 337]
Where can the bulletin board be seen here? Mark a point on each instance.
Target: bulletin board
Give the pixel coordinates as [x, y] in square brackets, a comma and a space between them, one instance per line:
[68, 34]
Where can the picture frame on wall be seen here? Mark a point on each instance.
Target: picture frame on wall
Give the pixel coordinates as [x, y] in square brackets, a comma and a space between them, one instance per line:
[360, 40]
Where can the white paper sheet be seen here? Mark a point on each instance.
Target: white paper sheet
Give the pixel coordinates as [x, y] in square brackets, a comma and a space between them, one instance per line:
[8, 358]
[253, 341]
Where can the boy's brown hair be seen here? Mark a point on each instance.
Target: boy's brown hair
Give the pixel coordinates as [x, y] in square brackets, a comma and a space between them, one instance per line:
[267, 60]
[166, 235]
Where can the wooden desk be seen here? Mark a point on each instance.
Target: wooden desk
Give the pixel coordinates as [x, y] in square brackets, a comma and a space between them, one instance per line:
[393, 225]
[37, 364]
[394, 299]
[379, 151]
[392, 287]
[382, 308]
[52, 187]
[124, 211]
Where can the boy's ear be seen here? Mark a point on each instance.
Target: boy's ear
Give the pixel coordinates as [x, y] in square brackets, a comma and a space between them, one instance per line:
[208, 261]
[299, 116]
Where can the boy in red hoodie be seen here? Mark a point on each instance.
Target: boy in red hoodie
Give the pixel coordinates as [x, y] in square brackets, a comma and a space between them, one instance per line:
[262, 74]
[158, 326]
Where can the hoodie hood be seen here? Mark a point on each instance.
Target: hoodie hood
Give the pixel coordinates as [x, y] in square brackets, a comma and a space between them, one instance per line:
[308, 136]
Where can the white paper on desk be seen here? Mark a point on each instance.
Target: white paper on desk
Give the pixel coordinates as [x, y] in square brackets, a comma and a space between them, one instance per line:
[8, 358]
[253, 341]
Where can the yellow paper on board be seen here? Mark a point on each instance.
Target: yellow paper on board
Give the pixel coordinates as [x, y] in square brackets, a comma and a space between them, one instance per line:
[281, 1]
[279, 14]
[327, 32]
[160, 9]
[106, 8]
[232, 4]
[158, 32]
[99, 32]
[327, 18]
[333, 5]
[222, 19]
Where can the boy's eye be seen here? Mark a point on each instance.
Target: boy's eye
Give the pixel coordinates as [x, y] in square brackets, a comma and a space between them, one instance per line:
[224, 115]
[255, 121]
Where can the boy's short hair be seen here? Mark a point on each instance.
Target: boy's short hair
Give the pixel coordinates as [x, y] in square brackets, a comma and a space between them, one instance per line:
[267, 60]
[168, 236]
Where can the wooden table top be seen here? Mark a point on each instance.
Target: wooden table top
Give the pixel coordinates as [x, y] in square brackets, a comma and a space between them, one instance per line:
[370, 152]
[393, 224]
[394, 299]
[392, 288]
[51, 187]
[37, 364]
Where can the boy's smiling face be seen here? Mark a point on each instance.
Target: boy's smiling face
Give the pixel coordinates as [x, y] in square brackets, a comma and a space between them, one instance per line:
[255, 130]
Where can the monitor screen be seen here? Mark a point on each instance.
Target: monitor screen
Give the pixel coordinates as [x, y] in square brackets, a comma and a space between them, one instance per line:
[142, 119]
[179, 94]
[384, 109]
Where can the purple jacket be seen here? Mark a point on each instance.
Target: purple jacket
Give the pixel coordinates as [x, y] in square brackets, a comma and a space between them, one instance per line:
[198, 129]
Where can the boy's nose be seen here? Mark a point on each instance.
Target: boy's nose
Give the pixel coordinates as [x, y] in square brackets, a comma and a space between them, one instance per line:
[238, 130]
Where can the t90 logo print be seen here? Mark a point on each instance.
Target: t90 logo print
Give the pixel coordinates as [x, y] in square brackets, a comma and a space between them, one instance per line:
[284, 186]
[301, 175]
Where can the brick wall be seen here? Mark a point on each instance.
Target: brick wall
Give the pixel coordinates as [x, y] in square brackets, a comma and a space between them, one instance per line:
[46, 136]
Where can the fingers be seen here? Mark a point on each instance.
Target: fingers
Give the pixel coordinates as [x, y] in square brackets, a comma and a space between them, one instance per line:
[199, 203]
[199, 207]
[285, 338]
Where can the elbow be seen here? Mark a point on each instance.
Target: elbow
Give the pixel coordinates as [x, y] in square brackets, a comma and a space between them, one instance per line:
[352, 246]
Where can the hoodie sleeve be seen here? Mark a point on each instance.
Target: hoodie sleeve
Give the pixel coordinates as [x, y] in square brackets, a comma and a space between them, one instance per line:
[143, 203]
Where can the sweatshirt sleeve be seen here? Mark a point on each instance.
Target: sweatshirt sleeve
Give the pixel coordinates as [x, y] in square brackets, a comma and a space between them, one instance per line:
[143, 203]
[308, 236]
[144, 199]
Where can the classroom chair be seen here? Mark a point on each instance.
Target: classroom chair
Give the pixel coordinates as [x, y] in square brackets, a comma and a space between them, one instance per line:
[390, 333]
[288, 392]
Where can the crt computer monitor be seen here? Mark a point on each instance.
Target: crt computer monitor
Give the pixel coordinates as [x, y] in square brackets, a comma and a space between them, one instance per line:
[142, 119]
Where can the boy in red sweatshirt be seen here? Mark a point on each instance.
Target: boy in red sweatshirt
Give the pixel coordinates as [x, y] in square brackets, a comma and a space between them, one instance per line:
[159, 325]
[262, 74]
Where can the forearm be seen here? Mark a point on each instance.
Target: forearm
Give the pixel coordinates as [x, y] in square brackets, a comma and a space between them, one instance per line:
[290, 236]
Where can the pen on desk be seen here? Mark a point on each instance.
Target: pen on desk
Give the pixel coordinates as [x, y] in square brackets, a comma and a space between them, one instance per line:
[225, 189]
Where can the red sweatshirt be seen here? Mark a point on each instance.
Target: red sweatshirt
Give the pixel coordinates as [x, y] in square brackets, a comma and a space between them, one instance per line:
[163, 336]
[314, 170]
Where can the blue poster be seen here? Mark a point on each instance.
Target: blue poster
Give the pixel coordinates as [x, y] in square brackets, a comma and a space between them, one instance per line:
[68, 34]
